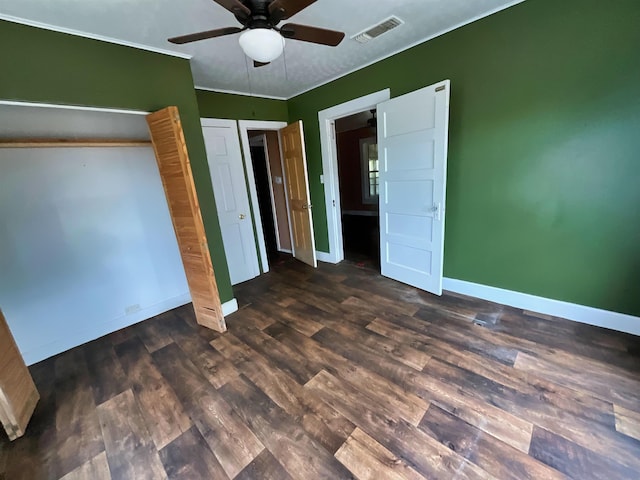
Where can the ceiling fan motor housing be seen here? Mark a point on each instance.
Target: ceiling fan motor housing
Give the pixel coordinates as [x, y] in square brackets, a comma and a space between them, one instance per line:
[260, 17]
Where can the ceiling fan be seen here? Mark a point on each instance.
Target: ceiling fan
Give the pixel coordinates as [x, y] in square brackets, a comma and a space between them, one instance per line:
[262, 40]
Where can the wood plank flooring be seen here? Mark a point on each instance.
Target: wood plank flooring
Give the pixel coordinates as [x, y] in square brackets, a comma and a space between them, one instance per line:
[339, 373]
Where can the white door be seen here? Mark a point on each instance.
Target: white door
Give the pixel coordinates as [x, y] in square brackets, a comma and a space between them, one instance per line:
[412, 145]
[232, 200]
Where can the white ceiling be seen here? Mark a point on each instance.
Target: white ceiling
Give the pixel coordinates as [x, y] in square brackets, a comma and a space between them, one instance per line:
[219, 63]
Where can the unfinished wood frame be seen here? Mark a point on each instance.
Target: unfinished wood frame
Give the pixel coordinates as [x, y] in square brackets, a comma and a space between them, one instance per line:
[18, 393]
[171, 153]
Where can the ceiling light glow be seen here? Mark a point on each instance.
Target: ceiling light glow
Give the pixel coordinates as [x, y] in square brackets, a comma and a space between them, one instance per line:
[262, 44]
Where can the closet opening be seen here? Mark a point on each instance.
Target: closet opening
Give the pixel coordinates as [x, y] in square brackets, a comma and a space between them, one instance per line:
[266, 161]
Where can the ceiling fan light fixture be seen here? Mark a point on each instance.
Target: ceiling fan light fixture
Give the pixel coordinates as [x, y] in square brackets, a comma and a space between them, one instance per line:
[262, 44]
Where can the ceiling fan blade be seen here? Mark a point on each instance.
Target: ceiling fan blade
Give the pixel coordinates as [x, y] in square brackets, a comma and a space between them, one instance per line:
[235, 6]
[283, 9]
[257, 64]
[312, 34]
[194, 37]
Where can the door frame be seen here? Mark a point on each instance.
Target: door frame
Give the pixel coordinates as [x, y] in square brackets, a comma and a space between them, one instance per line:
[225, 123]
[273, 201]
[328, 147]
[243, 128]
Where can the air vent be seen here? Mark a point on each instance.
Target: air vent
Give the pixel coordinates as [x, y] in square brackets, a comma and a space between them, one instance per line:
[377, 30]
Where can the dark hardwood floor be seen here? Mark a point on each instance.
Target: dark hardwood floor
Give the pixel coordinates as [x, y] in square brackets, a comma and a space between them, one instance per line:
[339, 373]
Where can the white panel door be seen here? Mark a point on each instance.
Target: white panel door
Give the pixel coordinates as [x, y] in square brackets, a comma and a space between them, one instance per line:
[412, 145]
[232, 199]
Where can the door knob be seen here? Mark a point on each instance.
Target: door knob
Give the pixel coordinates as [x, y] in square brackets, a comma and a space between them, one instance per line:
[435, 209]
[306, 206]
[241, 216]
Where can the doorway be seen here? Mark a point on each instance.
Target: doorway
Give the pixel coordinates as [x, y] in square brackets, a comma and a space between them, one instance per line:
[412, 178]
[232, 169]
[266, 181]
[358, 172]
[264, 151]
[327, 123]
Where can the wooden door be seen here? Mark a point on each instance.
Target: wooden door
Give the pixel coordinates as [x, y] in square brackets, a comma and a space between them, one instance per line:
[299, 200]
[18, 394]
[412, 144]
[175, 171]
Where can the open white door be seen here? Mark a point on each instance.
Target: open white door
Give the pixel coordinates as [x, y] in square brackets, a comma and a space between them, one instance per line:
[412, 145]
[232, 199]
[298, 199]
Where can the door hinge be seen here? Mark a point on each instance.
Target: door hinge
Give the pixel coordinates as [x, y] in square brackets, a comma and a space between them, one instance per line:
[440, 88]
[332, 128]
[334, 203]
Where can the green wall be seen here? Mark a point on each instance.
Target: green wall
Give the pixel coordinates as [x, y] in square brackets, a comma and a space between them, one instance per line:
[544, 147]
[240, 107]
[544, 150]
[49, 67]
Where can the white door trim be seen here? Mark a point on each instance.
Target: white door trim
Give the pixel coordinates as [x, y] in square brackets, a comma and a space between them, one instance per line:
[243, 127]
[217, 122]
[326, 119]
[229, 307]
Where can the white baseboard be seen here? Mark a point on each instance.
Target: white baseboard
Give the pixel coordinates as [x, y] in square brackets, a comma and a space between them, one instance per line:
[572, 311]
[70, 339]
[325, 257]
[229, 307]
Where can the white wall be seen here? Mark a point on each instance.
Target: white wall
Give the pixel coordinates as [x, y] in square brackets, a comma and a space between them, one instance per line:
[86, 245]
[34, 120]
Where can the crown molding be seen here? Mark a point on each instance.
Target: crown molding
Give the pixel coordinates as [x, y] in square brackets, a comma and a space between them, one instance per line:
[103, 38]
[92, 36]
[376, 60]
[244, 94]
[414, 44]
